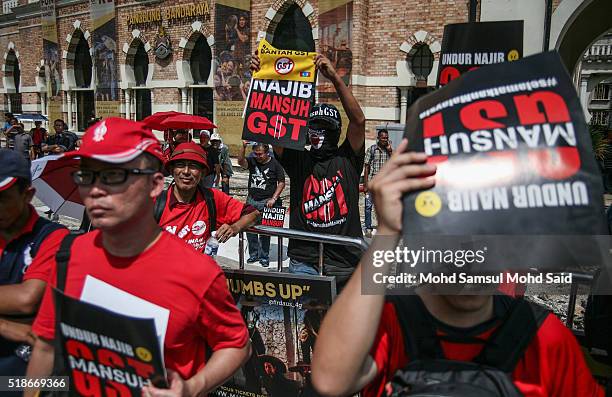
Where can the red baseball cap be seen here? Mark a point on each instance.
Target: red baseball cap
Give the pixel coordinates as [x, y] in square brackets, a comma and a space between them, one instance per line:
[116, 140]
[189, 151]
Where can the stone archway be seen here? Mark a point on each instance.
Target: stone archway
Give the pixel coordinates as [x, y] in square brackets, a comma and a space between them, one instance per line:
[127, 69]
[187, 44]
[77, 37]
[409, 47]
[276, 13]
[576, 24]
[11, 71]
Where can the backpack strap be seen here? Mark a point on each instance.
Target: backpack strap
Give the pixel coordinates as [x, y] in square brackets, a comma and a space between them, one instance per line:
[62, 257]
[160, 205]
[420, 339]
[209, 197]
[507, 344]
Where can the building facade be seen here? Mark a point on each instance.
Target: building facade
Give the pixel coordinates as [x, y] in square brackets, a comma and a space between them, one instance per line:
[594, 80]
[79, 59]
[193, 57]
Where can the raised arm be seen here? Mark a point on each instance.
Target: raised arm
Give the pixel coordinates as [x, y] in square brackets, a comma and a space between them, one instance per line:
[241, 157]
[341, 362]
[356, 128]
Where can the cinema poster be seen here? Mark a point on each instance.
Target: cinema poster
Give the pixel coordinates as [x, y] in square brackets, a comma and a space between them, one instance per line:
[51, 57]
[514, 158]
[231, 74]
[468, 46]
[105, 353]
[335, 39]
[283, 313]
[280, 98]
[104, 40]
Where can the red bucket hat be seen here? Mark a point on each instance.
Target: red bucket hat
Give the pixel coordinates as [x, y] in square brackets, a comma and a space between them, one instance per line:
[116, 140]
[189, 151]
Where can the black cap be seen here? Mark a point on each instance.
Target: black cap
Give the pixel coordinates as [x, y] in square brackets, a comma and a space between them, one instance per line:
[12, 166]
[324, 116]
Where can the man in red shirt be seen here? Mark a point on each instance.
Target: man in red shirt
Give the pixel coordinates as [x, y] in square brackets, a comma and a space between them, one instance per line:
[22, 232]
[361, 344]
[118, 179]
[39, 135]
[185, 211]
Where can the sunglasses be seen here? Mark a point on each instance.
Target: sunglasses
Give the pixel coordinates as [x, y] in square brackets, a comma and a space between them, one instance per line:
[108, 176]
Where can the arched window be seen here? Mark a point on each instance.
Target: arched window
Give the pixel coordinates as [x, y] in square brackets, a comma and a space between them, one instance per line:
[200, 60]
[294, 32]
[82, 64]
[12, 66]
[141, 65]
[421, 61]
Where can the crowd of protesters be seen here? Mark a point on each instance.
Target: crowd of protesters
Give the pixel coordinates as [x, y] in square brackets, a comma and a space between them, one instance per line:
[138, 224]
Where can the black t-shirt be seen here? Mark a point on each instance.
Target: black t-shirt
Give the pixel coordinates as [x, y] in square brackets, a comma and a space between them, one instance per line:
[212, 155]
[335, 212]
[263, 178]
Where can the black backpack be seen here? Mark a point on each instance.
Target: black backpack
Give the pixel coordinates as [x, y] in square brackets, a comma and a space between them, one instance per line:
[160, 205]
[430, 374]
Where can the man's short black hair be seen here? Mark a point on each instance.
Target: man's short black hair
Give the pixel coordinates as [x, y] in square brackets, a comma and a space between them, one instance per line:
[22, 184]
[60, 120]
[263, 146]
[152, 162]
[384, 130]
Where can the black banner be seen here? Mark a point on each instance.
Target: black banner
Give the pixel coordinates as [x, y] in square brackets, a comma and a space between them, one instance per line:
[468, 46]
[283, 313]
[106, 353]
[514, 157]
[277, 112]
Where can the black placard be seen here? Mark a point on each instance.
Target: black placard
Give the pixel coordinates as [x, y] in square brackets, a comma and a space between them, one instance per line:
[468, 46]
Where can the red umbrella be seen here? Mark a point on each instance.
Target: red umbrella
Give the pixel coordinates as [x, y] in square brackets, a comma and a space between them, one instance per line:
[51, 176]
[188, 121]
[154, 121]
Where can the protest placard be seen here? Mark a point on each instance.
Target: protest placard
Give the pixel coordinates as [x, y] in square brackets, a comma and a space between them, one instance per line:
[280, 98]
[106, 353]
[468, 46]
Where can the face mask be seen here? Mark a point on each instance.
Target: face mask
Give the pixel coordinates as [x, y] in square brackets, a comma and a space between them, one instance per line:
[324, 144]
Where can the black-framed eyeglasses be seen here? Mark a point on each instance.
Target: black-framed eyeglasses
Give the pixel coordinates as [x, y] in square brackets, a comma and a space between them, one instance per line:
[108, 176]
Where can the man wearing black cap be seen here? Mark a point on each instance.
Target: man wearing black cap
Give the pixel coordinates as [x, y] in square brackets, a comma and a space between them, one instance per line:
[325, 181]
[21, 286]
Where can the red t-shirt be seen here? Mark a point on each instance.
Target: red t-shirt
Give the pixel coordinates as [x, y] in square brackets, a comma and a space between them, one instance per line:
[38, 136]
[189, 221]
[193, 288]
[552, 365]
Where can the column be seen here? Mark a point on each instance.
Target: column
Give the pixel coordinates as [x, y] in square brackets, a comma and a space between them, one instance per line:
[69, 109]
[403, 104]
[584, 98]
[128, 102]
[184, 100]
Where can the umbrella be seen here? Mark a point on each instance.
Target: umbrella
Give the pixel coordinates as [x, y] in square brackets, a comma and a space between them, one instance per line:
[55, 187]
[188, 121]
[154, 121]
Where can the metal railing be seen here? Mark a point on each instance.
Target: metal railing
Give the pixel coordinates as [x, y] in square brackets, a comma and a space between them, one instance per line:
[319, 238]
[577, 279]
[322, 239]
